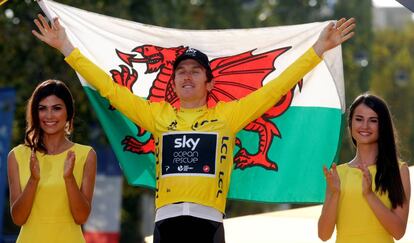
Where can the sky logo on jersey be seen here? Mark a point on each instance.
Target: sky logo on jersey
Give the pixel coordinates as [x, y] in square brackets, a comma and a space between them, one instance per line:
[184, 143]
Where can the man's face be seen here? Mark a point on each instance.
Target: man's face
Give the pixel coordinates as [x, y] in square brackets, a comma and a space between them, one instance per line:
[190, 84]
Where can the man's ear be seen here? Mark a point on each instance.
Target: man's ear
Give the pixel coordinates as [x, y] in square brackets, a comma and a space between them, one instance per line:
[210, 85]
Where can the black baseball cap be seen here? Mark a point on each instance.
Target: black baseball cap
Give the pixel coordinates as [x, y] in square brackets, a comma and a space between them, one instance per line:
[195, 54]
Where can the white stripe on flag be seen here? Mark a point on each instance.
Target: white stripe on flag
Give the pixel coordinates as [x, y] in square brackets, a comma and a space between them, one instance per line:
[94, 33]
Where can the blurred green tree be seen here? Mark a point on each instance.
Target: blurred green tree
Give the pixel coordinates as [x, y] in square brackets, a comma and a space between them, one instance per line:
[356, 59]
[393, 79]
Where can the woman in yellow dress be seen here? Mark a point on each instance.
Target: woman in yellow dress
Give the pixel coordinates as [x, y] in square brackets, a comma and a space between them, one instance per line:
[51, 178]
[368, 198]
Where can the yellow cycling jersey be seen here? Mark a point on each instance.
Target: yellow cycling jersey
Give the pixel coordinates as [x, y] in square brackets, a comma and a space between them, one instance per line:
[193, 147]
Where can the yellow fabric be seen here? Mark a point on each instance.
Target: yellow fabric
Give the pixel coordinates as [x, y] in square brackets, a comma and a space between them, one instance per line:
[50, 219]
[356, 222]
[224, 121]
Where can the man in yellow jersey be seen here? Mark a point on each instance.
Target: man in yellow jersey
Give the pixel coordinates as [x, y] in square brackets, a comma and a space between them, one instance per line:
[193, 143]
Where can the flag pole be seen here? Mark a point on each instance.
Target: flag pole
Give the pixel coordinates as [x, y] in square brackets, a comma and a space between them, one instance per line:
[409, 4]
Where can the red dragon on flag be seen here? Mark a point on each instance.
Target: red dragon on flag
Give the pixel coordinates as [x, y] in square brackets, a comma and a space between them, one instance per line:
[234, 76]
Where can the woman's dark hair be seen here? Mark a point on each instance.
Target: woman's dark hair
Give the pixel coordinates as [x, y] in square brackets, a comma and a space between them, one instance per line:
[34, 133]
[387, 178]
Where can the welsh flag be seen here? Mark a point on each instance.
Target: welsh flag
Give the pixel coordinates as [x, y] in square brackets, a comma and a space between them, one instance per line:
[279, 156]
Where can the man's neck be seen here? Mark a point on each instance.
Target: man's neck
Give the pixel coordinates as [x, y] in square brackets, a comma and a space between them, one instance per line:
[192, 104]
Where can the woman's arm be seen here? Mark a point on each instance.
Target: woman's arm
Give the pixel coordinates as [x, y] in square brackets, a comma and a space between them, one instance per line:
[21, 202]
[327, 220]
[80, 200]
[393, 220]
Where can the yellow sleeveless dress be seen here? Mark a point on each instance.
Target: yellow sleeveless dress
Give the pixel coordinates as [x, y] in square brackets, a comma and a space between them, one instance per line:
[356, 222]
[50, 220]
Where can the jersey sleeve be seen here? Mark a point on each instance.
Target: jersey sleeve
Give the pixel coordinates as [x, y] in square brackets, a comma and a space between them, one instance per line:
[242, 112]
[137, 109]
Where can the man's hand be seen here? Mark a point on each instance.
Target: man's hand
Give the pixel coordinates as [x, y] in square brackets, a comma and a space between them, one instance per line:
[334, 35]
[54, 35]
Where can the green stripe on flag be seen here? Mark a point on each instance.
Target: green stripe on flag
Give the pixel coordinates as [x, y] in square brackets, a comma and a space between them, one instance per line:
[310, 137]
